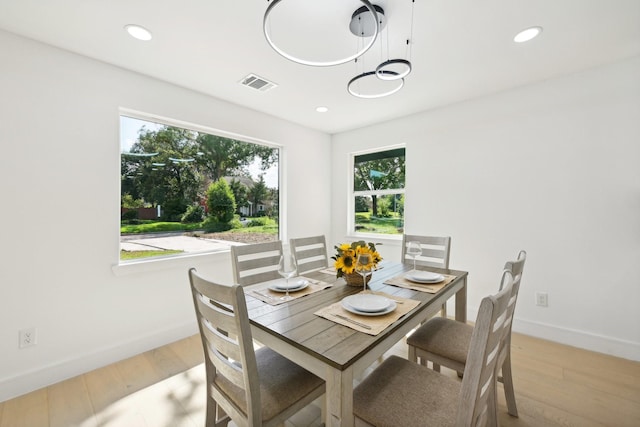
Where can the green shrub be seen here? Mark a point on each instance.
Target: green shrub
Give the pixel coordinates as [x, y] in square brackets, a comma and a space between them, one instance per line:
[194, 213]
[173, 209]
[361, 204]
[361, 219]
[220, 201]
[260, 221]
[235, 223]
[129, 215]
[211, 225]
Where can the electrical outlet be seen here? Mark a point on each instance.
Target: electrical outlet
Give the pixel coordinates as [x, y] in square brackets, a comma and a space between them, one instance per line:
[27, 337]
[542, 299]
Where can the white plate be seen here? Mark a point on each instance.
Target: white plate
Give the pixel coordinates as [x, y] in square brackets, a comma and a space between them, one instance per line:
[368, 303]
[424, 277]
[294, 286]
[389, 309]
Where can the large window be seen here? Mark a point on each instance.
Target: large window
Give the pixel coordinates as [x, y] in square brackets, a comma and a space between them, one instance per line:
[378, 191]
[184, 190]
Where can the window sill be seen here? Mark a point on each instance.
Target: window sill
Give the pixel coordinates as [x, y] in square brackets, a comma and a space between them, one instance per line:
[391, 239]
[156, 264]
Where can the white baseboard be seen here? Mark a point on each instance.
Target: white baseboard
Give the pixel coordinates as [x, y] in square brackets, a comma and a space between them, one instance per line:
[574, 338]
[581, 339]
[26, 382]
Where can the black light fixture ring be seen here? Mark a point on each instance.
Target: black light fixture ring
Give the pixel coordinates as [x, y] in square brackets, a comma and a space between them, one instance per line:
[353, 81]
[393, 75]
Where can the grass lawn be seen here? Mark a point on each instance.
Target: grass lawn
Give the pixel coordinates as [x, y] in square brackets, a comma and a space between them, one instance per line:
[156, 226]
[367, 224]
[129, 255]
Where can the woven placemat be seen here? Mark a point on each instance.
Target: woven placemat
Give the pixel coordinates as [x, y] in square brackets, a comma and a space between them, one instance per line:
[263, 293]
[328, 270]
[430, 288]
[371, 325]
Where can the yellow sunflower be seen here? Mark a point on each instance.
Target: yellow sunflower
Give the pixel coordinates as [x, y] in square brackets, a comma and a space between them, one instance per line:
[347, 255]
[346, 262]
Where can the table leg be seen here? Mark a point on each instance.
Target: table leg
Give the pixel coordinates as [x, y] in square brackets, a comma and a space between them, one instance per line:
[461, 302]
[339, 397]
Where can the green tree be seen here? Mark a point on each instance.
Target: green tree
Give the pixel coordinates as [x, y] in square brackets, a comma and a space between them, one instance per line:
[220, 201]
[379, 171]
[160, 168]
[229, 157]
[259, 192]
[130, 203]
[361, 204]
[240, 193]
[274, 197]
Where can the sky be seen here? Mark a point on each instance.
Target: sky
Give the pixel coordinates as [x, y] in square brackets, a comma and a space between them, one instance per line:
[129, 128]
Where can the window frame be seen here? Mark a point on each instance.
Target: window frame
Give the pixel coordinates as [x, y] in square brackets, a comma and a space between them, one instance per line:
[158, 262]
[352, 194]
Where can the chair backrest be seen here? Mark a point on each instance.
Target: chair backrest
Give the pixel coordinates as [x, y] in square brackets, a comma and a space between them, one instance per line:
[478, 383]
[310, 253]
[516, 268]
[256, 263]
[230, 359]
[435, 250]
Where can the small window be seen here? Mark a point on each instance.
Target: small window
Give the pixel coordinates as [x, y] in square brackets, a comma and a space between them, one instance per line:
[378, 192]
[185, 190]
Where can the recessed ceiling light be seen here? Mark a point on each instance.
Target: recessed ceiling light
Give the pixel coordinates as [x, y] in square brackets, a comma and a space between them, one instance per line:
[322, 109]
[138, 32]
[527, 34]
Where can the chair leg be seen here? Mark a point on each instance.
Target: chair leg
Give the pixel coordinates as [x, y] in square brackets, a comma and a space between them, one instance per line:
[210, 420]
[492, 406]
[436, 367]
[412, 354]
[507, 380]
[443, 310]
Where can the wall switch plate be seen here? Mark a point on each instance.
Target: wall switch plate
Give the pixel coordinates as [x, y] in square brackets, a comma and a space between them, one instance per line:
[542, 299]
[27, 337]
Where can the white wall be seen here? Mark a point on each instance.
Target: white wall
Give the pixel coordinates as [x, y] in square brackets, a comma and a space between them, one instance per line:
[552, 168]
[60, 187]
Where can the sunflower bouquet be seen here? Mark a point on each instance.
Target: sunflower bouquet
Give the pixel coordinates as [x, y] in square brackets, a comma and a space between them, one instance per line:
[347, 255]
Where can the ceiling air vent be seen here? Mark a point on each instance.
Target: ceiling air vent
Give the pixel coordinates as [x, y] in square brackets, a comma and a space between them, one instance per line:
[257, 82]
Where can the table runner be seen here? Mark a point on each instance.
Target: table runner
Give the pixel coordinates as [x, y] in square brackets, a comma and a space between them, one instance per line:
[430, 288]
[376, 323]
[264, 294]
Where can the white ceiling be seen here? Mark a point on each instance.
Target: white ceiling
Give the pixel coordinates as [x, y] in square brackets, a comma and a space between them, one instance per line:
[461, 48]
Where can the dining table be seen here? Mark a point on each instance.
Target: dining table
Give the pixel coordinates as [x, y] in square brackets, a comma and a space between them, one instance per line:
[334, 351]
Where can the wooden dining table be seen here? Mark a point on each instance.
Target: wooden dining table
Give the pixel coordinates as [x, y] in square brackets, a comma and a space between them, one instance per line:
[338, 353]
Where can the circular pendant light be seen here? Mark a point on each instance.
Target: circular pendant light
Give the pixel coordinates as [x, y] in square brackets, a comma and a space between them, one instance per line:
[368, 8]
[387, 70]
[355, 84]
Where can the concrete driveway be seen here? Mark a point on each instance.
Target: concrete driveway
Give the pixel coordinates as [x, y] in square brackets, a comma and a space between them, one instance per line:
[173, 242]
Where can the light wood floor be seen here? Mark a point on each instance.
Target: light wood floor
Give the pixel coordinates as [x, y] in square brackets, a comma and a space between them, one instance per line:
[556, 385]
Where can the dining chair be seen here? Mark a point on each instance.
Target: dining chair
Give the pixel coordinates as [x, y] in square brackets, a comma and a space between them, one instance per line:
[256, 263]
[400, 392]
[446, 342]
[250, 387]
[435, 253]
[310, 253]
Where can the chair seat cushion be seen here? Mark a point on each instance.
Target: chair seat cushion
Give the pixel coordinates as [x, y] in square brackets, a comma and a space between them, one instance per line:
[403, 393]
[445, 337]
[282, 384]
